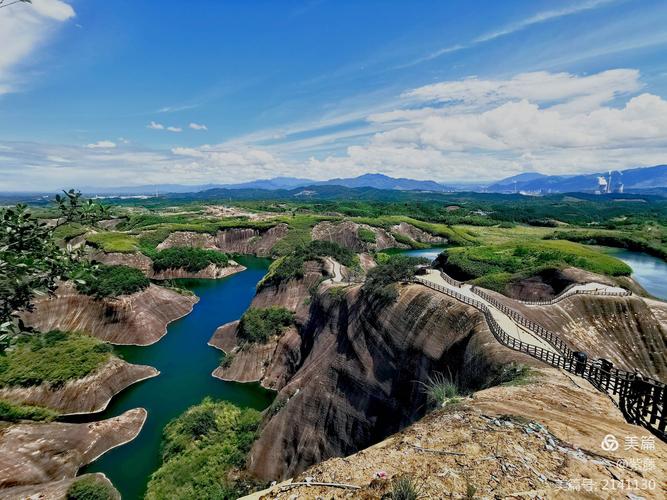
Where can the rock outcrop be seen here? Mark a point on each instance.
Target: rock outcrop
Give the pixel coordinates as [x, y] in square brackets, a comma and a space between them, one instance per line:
[351, 375]
[525, 441]
[346, 234]
[209, 272]
[551, 282]
[33, 454]
[89, 394]
[137, 319]
[136, 260]
[250, 364]
[145, 264]
[414, 233]
[233, 240]
[54, 490]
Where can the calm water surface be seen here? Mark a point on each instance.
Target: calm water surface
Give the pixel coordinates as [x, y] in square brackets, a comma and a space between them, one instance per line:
[650, 272]
[185, 362]
[428, 253]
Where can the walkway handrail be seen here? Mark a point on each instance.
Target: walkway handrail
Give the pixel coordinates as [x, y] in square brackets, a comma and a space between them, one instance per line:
[642, 399]
[537, 329]
[569, 293]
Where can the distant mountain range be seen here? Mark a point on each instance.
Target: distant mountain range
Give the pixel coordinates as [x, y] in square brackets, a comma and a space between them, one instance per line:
[377, 181]
[646, 180]
[635, 180]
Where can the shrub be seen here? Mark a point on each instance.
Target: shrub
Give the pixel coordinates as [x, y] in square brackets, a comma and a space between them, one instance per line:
[380, 282]
[10, 412]
[366, 235]
[90, 488]
[260, 324]
[441, 389]
[189, 258]
[405, 488]
[202, 451]
[52, 358]
[112, 281]
[227, 359]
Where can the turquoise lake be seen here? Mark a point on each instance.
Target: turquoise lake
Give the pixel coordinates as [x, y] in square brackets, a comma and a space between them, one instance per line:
[185, 362]
[650, 272]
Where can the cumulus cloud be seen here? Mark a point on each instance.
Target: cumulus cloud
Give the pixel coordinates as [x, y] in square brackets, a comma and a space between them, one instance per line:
[159, 126]
[198, 126]
[484, 129]
[471, 129]
[23, 28]
[101, 145]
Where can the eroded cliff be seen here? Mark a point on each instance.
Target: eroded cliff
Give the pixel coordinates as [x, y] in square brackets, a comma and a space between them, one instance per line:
[234, 240]
[34, 454]
[137, 319]
[89, 394]
[350, 375]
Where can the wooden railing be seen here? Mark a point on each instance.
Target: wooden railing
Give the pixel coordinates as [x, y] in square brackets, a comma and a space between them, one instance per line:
[569, 292]
[520, 319]
[642, 400]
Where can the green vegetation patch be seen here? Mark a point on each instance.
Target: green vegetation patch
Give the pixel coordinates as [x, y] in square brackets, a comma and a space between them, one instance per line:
[113, 241]
[617, 239]
[494, 266]
[189, 258]
[112, 281]
[203, 452]
[454, 235]
[300, 232]
[366, 235]
[52, 358]
[10, 412]
[69, 231]
[292, 266]
[380, 284]
[90, 488]
[260, 324]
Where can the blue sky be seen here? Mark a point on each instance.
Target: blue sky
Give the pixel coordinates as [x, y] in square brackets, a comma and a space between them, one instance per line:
[122, 93]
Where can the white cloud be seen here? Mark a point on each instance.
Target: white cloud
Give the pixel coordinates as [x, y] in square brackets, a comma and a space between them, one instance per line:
[159, 126]
[538, 87]
[23, 28]
[198, 126]
[101, 145]
[472, 129]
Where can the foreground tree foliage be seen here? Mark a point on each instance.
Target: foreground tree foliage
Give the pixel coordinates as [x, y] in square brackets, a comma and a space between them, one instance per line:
[203, 452]
[30, 261]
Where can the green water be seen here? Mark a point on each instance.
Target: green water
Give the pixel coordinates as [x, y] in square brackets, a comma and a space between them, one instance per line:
[185, 362]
